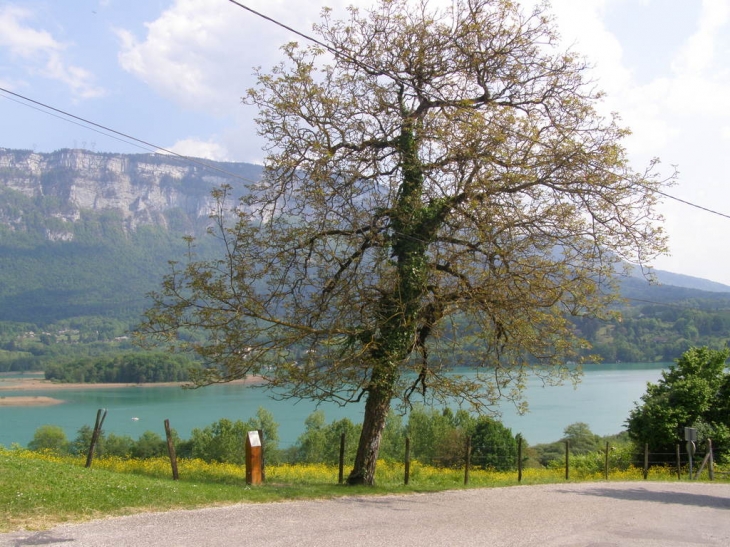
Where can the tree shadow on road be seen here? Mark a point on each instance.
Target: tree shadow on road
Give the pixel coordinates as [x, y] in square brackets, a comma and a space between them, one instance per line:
[40, 538]
[668, 497]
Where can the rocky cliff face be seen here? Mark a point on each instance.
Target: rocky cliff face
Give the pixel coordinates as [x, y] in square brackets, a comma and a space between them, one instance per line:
[142, 188]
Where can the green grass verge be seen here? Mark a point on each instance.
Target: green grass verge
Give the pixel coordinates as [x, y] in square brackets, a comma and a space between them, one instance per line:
[40, 490]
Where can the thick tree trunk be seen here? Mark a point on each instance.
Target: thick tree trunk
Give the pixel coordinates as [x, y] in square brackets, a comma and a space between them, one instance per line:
[376, 412]
[398, 309]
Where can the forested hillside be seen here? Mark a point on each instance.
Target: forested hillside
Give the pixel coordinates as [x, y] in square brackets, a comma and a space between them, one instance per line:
[658, 324]
[85, 236]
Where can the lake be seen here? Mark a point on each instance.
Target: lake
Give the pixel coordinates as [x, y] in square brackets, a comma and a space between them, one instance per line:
[603, 400]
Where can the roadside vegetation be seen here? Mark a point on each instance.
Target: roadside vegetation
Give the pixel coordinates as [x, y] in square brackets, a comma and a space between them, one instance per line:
[47, 483]
[41, 489]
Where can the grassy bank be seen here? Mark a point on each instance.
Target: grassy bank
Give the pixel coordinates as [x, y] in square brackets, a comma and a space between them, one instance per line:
[39, 490]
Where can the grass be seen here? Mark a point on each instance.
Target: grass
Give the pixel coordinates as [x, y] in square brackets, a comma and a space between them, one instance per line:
[40, 490]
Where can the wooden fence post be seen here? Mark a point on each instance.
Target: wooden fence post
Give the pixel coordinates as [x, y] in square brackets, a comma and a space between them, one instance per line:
[171, 451]
[341, 475]
[468, 460]
[567, 460]
[95, 435]
[605, 470]
[711, 468]
[407, 475]
[519, 458]
[679, 465]
[646, 461]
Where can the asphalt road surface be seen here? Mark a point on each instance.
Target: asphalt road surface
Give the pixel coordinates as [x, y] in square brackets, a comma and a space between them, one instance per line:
[586, 514]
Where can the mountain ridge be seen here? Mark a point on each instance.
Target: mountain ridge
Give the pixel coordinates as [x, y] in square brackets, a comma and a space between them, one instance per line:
[86, 232]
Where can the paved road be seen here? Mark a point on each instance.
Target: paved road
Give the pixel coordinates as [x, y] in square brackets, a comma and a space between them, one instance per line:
[586, 515]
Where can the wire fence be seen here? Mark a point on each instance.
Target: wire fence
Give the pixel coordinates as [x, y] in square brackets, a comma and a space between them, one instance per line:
[463, 453]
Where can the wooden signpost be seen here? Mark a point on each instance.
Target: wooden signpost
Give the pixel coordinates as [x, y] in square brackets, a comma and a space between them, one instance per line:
[254, 458]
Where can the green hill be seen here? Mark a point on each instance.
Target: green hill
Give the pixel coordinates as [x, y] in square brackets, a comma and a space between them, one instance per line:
[85, 236]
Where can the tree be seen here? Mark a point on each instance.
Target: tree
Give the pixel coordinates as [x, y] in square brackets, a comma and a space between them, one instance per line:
[320, 441]
[225, 440]
[582, 440]
[148, 445]
[438, 188]
[493, 445]
[436, 437]
[82, 442]
[692, 393]
[49, 437]
[222, 441]
[121, 446]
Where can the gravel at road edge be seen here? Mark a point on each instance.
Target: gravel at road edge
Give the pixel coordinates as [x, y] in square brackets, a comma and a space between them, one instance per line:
[574, 514]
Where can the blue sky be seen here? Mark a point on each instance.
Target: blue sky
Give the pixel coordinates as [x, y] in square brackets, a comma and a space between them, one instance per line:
[172, 72]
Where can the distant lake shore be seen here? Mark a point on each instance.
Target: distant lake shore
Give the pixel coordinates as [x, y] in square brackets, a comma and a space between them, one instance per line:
[30, 401]
[41, 384]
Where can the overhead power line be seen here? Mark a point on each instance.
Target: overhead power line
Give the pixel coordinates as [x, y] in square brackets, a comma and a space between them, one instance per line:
[118, 135]
[344, 55]
[101, 128]
[328, 47]
[700, 207]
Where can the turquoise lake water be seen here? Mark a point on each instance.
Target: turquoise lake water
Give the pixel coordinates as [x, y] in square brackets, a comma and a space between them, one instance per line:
[602, 400]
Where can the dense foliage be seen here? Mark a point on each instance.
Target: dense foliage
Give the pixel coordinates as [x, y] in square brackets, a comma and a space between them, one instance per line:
[223, 441]
[581, 441]
[693, 393]
[104, 271]
[437, 438]
[59, 260]
[660, 331]
[133, 367]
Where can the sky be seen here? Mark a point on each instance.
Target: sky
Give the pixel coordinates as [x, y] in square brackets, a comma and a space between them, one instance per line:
[172, 73]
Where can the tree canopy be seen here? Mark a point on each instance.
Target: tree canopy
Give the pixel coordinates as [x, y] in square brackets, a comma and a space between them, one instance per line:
[438, 188]
[693, 393]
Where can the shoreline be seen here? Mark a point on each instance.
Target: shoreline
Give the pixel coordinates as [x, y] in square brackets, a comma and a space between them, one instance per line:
[37, 384]
[37, 400]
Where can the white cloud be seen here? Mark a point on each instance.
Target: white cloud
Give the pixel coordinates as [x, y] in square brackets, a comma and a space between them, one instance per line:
[658, 110]
[41, 53]
[699, 52]
[196, 148]
[582, 28]
[201, 54]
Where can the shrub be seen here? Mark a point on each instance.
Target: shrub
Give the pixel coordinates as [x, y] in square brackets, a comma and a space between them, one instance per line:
[49, 437]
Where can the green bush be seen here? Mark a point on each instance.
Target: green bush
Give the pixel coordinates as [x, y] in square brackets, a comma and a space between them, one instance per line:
[693, 393]
[224, 441]
[50, 437]
[320, 442]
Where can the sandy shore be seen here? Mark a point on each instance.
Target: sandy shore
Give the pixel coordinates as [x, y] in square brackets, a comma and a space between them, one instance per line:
[38, 384]
[29, 401]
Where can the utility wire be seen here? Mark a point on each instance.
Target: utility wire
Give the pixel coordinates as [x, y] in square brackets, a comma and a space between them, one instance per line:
[344, 55]
[125, 135]
[151, 146]
[336, 52]
[680, 200]
[78, 123]
[290, 29]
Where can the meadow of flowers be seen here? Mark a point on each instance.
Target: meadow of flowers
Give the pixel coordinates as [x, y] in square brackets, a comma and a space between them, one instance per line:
[39, 489]
[388, 473]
